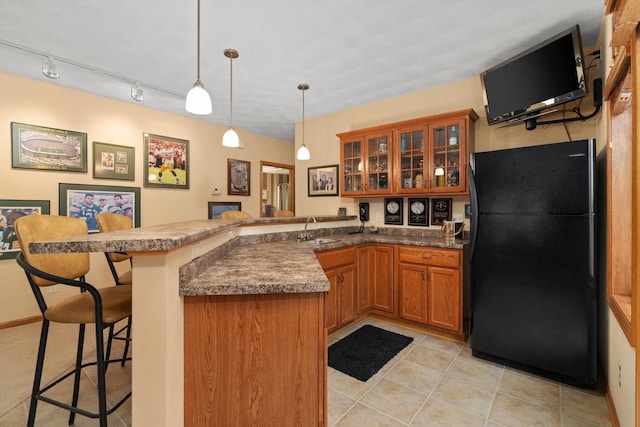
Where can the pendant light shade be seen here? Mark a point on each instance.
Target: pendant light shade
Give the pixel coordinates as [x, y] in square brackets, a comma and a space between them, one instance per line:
[303, 151]
[198, 100]
[230, 138]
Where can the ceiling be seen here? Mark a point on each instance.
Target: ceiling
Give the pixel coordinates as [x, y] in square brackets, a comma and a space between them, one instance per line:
[350, 52]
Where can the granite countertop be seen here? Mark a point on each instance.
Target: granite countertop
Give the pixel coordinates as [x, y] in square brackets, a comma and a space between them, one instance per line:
[163, 237]
[288, 266]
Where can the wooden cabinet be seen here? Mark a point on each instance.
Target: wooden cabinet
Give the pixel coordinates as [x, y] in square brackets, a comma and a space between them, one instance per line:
[342, 299]
[365, 163]
[375, 278]
[255, 360]
[430, 287]
[429, 155]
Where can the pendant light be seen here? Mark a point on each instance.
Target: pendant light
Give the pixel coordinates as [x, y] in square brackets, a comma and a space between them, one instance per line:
[198, 100]
[303, 151]
[230, 138]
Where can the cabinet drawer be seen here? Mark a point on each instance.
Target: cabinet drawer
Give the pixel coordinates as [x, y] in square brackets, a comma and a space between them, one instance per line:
[430, 256]
[336, 258]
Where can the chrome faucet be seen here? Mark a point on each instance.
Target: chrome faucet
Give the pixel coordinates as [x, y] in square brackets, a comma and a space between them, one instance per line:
[304, 236]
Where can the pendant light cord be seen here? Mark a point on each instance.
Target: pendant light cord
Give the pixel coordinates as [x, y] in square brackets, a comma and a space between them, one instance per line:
[231, 93]
[198, 76]
[303, 116]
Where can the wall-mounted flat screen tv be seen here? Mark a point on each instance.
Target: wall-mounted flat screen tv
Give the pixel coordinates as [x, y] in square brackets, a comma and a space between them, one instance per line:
[546, 75]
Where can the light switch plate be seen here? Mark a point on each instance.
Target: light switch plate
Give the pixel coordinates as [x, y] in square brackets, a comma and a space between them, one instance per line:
[457, 217]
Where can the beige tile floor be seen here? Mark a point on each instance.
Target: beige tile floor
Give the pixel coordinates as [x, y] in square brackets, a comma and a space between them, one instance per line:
[432, 382]
[435, 382]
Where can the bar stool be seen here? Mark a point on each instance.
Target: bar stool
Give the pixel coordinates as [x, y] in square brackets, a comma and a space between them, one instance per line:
[283, 214]
[113, 222]
[234, 215]
[102, 307]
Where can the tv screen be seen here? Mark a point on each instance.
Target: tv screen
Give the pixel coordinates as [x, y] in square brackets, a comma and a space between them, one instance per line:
[550, 73]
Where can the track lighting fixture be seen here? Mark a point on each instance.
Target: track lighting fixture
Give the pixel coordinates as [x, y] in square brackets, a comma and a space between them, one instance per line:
[198, 99]
[49, 68]
[137, 93]
[230, 138]
[303, 151]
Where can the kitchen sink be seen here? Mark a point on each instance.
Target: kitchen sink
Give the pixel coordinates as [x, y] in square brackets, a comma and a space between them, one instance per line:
[319, 241]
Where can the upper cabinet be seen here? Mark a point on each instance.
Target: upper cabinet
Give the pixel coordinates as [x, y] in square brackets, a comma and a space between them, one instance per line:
[366, 163]
[429, 155]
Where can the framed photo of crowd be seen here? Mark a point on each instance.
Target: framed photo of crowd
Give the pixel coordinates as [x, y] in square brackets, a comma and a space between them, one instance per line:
[323, 181]
[87, 201]
[10, 211]
[39, 147]
[167, 163]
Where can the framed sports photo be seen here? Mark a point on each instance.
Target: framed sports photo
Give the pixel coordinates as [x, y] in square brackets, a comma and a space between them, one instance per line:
[10, 211]
[167, 163]
[39, 147]
[238, 177]
[216, 208]
[87, 201]
[112, 161]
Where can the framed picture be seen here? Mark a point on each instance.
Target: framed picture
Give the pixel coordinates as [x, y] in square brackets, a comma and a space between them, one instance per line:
[38, 147]
[10, 211]
[167, 163]
[440, 211]
[112, 161]
[238, 177]
[323, 181]
[418, 211]
[467, 211]
[87, 201]
[393, 211]
[216, 208]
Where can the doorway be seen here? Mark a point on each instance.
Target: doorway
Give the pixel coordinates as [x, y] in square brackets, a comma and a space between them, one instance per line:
[277, 192]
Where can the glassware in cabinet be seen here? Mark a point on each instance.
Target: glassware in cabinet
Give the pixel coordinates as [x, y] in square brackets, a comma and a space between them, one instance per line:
[352, 166]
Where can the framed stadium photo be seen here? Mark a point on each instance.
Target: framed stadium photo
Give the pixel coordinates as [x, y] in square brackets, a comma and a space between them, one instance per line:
[167, 163]
[39, 147]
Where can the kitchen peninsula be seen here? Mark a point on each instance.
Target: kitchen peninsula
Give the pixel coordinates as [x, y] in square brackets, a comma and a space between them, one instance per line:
[230, 316]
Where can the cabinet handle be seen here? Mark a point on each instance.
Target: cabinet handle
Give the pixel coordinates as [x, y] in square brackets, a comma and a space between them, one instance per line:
[423, 278]
[426, 256]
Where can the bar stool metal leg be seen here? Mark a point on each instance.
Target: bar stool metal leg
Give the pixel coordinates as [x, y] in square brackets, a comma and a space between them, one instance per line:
[38, 375]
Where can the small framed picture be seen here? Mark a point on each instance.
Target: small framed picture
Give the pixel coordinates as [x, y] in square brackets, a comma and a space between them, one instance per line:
[393, 211]
[238, 177]
[87, 201]
[323, 181]
[39, 147]
[418, 211]
[112, 161]
[342, 211]
[440, 211]
[167, 163]
[216, 208]
[467, 211]
[10, 211]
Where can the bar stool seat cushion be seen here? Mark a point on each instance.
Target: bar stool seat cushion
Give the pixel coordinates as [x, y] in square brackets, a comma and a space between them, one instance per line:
[80, 308]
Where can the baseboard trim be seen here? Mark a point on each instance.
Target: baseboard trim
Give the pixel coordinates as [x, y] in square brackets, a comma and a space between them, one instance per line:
[18, 322]
[612, 409]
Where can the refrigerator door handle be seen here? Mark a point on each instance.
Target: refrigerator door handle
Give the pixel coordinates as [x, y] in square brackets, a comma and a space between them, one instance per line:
[474, 211]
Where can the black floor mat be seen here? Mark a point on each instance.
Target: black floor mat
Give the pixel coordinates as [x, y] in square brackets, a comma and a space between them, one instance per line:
[363, 352]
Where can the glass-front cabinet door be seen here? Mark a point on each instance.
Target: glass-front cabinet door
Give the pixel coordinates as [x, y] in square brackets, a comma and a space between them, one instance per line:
[447, 162]
[378, 164]
[352, 165]
[410, 149]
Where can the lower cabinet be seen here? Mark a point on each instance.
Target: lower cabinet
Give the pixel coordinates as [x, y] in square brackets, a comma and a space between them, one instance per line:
[342, 300]
[375, 278]
[418, 284]
[430, 287]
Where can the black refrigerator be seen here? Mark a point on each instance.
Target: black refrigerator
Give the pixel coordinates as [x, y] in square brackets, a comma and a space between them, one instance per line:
[532, 252]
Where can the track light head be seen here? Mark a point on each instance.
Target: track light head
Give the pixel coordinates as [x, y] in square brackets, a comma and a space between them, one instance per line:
[49, 68]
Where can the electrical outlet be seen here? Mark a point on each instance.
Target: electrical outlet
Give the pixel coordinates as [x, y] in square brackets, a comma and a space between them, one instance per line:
[378, 217]
[619, 375]
[53, 289]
